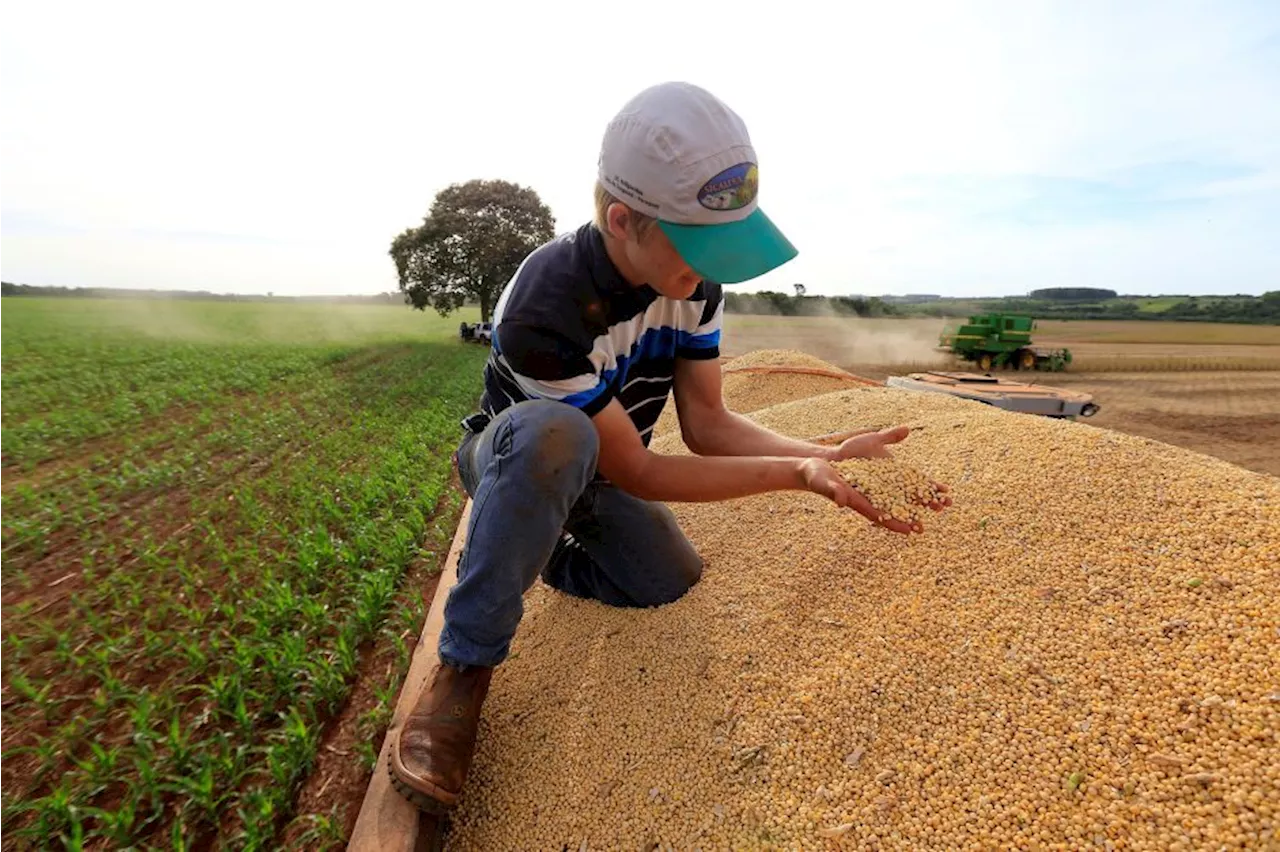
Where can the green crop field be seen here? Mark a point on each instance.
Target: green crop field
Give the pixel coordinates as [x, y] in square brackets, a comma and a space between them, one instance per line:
[209, 512]
[1156, 304]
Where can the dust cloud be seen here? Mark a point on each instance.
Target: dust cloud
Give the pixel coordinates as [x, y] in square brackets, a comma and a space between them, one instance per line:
[159, 319]
[889, 341]
[230, 322]
[849, 342]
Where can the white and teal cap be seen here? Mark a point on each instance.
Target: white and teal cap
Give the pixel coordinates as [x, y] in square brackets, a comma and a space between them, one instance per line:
[677, 153]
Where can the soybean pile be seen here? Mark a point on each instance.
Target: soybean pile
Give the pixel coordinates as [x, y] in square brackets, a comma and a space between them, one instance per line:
[1082, 652]
[750, 382]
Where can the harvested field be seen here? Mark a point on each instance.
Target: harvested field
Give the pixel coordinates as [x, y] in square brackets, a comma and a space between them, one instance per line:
[1082, 651]
[1183, 383]
[882, 344]
[1166, 357]
[1122, 332]
[1233, 415]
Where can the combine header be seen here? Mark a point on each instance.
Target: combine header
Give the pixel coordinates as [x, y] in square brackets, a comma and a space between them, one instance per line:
[1001, 393]
[1001, 340]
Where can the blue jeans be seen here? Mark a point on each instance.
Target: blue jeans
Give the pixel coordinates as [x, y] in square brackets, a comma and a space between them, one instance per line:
[537, 509]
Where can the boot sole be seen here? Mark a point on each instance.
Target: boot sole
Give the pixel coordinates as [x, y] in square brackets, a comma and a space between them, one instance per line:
[419, 800]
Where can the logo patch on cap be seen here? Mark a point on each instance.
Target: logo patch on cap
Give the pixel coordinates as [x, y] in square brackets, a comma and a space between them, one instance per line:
[732, 189]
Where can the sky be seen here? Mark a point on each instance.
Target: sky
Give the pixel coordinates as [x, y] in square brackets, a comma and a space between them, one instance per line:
[968, 148]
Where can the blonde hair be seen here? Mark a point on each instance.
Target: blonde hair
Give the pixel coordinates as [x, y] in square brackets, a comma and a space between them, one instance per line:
[641, 223]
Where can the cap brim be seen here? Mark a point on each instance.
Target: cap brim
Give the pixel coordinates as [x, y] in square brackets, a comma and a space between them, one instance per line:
[732, 252]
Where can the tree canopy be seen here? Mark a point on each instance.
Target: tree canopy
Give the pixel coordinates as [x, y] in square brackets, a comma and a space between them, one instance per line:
[470, 244]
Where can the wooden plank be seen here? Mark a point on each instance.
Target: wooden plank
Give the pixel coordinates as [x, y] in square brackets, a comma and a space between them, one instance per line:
[387, 822]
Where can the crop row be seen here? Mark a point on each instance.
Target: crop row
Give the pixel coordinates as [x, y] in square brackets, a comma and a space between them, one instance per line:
[179, 627]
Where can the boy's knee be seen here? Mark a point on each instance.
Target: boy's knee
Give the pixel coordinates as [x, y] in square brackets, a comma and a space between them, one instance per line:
[560, 442]
[680, 577]
[693, 570]
[688, 571]
[682, 566]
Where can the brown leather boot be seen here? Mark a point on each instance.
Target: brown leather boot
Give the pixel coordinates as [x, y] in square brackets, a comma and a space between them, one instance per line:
[432, 753]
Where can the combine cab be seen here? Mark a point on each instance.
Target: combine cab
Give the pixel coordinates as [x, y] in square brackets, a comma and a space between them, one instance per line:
[1001, 340]
[1001, 393]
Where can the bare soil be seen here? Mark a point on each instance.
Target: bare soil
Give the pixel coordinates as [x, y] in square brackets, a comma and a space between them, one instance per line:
[1234, 416]
[1148, 331]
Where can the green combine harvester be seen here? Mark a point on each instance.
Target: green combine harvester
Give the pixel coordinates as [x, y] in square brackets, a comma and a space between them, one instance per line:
[1000, 340]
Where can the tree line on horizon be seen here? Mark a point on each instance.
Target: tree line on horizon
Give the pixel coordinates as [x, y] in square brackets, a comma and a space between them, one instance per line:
[8, 288]
[1255, 310]
[1042, 304]
[476, 234]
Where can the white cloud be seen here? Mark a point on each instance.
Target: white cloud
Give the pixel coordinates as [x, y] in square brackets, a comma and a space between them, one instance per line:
[307, 140]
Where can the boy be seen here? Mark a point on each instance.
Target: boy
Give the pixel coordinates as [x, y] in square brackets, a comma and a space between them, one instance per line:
[590, 336]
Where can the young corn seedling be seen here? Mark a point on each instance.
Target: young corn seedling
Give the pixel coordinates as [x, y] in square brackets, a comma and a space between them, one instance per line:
[324, 832]
[99, 767]
[39, 696]
[375, 598]
[198, 790]
[145, 785]
[291, 755]
[179, 750]
[258, 814]
[367, 755]
[119, 826]
[55, 815]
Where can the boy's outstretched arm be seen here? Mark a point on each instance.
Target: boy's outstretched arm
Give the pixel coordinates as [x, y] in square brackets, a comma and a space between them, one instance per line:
[711, 429]
[627, 463]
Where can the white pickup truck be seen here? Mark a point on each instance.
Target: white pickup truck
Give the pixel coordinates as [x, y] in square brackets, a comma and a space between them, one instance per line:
[479, 332]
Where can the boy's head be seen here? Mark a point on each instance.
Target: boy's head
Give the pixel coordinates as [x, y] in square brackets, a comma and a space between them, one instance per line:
[647, 255]
[677, 192]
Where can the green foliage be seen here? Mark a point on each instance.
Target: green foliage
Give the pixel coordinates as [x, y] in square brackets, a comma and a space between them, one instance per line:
[1260, 310]
[78, 370]
[231, 498]
[470, 244]
[800, 305]
[1264, 309]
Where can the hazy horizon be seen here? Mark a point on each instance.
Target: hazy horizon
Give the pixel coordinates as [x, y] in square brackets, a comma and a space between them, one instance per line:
[967, 150]
[178, 293]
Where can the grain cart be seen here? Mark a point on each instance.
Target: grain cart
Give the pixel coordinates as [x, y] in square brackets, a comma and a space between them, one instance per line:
[1000, 340]
[1001, 393]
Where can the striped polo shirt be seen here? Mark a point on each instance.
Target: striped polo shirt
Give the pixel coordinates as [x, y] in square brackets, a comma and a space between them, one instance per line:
[568, 327]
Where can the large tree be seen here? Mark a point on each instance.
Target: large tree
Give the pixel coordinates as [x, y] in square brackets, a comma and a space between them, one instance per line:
[470, 244]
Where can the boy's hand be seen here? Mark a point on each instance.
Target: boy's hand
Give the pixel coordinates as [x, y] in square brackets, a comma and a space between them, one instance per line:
[871, 445]
[875, 445]
[821, 478]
